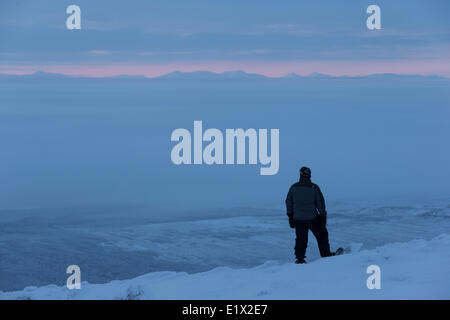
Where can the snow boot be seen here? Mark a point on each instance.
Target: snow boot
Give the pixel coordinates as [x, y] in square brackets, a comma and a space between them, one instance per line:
[300, 261]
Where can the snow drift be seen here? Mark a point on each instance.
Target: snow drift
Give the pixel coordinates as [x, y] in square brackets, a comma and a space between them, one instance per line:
[414, 270]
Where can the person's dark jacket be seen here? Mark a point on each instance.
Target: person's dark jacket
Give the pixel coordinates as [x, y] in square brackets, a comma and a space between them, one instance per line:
[305, 201]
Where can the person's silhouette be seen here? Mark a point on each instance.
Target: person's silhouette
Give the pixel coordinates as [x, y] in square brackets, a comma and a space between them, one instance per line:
[305, 207]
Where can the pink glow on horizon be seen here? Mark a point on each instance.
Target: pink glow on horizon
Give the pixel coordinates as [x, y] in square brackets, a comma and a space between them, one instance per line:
[271, 69]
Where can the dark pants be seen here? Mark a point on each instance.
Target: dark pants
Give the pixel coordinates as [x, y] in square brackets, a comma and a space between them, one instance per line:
[319, 231]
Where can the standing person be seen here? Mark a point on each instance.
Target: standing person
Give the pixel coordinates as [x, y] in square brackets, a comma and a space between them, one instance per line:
[305, 207]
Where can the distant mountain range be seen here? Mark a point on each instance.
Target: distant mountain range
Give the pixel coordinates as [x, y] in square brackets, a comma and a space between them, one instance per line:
[208, 75]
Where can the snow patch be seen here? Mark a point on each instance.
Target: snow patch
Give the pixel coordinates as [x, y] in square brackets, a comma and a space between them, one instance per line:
[412, 270]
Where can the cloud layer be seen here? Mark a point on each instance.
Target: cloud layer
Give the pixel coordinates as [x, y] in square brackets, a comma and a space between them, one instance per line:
[264, 37]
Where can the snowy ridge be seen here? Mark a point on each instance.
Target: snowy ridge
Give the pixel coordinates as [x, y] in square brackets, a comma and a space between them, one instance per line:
[398, 211]
[145, 241]
[413, 270]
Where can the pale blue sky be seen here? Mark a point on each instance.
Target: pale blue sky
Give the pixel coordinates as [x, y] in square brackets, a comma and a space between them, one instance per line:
[258, 36]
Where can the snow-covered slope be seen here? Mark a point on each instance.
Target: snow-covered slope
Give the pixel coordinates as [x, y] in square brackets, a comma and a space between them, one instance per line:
[414, 270]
